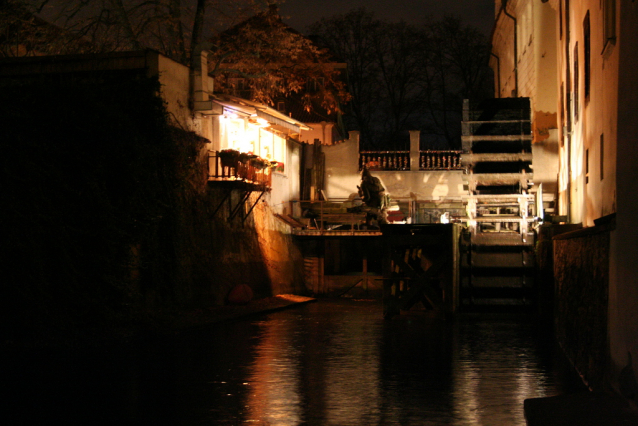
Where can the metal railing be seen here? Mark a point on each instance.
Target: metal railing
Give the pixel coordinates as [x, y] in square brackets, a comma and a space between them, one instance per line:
[219, 170]
[440, 160]
[400, 160]
[384, 160]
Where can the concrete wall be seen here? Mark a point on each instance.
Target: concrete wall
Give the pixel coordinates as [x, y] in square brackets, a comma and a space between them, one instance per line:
[343, 176]
[174, 78]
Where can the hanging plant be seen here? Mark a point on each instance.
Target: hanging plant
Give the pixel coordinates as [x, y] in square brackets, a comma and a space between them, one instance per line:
[245, 157]
[259, 163]
[229, 157]
[273, 165]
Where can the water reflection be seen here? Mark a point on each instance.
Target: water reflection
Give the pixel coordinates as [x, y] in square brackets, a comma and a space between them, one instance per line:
[327, 363]
[341, 364]
[496, 369]
[274, 377]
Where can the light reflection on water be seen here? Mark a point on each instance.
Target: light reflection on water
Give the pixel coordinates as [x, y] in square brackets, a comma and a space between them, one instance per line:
[326, 363]
[339, 364]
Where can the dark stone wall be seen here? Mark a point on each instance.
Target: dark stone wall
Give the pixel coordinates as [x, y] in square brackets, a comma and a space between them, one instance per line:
[544, 258]
[108, 219]
[581, 271]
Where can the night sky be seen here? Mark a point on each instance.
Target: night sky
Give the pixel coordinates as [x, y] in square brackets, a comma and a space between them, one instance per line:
[478, 13]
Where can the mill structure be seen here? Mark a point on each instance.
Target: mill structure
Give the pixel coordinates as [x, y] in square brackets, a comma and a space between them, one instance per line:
[497, 247]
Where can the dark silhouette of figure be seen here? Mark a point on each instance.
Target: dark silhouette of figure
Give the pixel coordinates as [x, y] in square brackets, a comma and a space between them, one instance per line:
[372, 194]
[371, 190]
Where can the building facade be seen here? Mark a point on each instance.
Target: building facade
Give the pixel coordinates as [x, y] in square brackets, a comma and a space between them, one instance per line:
[576, 60]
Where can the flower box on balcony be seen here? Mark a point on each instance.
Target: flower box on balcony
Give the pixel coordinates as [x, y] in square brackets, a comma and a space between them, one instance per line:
[228, 157]
[259, 163]
[246, 157]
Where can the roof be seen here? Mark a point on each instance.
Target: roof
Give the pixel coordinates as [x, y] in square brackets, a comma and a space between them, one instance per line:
[254, 109]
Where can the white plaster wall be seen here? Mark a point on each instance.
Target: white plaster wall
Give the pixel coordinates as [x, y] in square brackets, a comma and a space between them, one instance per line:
[503, 48]
[544, 94]
[536, 67]
[341, 168]
[174, 78]
[343, 176]
[594, 197]
[434, 185]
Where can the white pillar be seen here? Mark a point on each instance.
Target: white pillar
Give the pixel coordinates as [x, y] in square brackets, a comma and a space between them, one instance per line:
[415, 139]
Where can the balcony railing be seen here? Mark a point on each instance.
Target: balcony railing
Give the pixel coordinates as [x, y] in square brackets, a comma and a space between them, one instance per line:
[440, 160]
[384, 160]
[235, 170]
[400, 160]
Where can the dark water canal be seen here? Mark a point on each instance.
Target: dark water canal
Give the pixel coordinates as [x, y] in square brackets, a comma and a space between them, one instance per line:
[325, 363]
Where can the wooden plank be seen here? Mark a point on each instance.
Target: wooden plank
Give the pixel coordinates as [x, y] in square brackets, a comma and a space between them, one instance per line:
[496, 158]
[495, 138]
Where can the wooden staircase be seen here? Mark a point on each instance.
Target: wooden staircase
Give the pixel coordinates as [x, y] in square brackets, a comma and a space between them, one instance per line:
[497, 250]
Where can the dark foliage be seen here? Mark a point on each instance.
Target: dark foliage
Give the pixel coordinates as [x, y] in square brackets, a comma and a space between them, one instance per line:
[94, 180]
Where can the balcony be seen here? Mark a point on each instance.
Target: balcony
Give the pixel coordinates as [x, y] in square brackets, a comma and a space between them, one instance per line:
[241, 168]
[384, 160]
[400, 160]
[440, 160]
